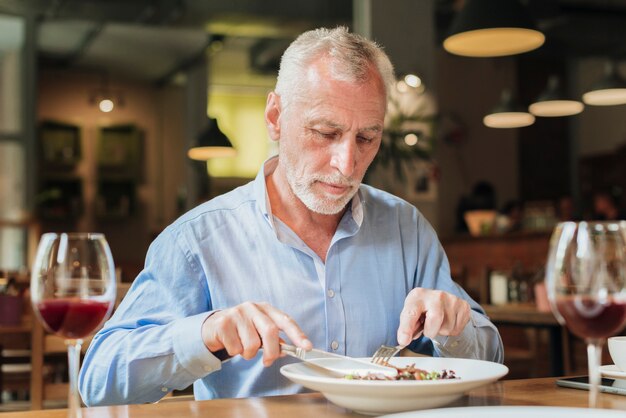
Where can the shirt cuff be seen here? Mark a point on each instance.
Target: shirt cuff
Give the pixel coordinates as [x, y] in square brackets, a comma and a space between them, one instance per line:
[189, 348]
[462, 345]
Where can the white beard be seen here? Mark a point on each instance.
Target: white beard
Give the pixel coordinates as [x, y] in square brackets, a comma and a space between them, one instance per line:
[303, 188]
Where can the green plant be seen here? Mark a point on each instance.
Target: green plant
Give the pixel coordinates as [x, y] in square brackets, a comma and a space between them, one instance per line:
[409, 131]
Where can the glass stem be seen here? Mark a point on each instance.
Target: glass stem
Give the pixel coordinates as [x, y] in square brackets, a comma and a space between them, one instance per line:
[594, 358]
[73, 362]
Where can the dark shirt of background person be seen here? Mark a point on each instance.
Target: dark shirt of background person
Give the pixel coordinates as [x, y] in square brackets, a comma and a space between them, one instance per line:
[606, 206]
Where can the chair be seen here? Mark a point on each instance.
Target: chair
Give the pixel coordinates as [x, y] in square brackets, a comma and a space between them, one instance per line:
[15, 357]
[14, 371]
[48, 378]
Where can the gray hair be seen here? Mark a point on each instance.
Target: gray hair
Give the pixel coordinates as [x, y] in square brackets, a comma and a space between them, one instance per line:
[352, 55]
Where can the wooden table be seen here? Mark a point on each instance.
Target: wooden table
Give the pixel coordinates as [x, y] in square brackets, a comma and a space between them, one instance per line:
[527, 315]
[313, 405]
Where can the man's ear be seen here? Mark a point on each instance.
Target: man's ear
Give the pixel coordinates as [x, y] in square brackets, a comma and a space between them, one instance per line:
[272, 115]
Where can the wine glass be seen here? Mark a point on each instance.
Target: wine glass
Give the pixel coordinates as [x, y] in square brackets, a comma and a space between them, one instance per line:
[72, 292]
[586, 284]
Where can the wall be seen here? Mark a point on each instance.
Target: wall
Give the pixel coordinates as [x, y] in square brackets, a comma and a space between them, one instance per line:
[237, 97]
[612, 134]
[13, 255]
[468, 89]
[241, 116]
[11, 45]
[64, 96]
[172, 160]
[406, 31]
[10, 99]
[12, 160]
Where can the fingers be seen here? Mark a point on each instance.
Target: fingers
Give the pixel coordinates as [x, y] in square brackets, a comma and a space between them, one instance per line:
[410, 318]
[269, 325]
[445, 314]
[436, 317]
[289, 326]
[244, 329]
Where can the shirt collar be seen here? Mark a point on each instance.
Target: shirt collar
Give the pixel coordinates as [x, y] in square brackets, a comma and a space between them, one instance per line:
[263, 199]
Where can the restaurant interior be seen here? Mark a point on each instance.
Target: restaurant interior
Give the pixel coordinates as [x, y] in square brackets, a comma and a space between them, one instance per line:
[101, 103]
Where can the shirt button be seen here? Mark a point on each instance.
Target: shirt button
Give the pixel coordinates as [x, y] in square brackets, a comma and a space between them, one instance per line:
[330, 293]
[334, 345]
[164, 389]
[454, 344]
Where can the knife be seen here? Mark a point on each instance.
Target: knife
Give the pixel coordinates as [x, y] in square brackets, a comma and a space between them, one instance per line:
[336, 365]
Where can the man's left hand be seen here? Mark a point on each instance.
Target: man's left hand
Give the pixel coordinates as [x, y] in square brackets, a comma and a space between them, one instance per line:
[444, 314]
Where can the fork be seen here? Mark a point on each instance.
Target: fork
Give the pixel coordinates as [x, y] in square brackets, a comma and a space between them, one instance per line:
[386, 352]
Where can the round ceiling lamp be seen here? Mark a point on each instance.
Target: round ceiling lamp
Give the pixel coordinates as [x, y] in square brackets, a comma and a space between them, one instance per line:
[609, 91]
[492, 28]
[211, 143]
[508, 114]
[553, 102]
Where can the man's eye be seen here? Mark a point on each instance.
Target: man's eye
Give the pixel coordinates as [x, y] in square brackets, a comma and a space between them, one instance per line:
[327, 135]
[365, 139]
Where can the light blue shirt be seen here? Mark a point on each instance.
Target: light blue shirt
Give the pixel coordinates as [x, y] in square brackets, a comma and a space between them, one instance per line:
[231, 250]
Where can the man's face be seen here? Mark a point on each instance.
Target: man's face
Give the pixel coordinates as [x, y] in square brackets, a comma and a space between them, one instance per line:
[329, 135]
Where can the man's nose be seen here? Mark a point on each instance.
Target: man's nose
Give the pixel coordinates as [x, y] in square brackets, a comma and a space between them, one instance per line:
[344, 156]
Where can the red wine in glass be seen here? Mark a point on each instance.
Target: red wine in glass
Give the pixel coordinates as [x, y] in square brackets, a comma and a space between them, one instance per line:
[586, 284]
[72, 292]
[588, 318]
[72, 318]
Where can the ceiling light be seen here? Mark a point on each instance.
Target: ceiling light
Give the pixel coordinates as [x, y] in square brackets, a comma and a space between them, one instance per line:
[553, 102]
[411, 139]
[106, 105]
[408, 82]
[105, 97]
[508, 114]
[412, 80]
[609, 91]
[211, 143]
[492, 28]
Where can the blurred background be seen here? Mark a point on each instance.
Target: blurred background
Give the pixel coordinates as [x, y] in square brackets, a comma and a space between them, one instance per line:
[167, 64]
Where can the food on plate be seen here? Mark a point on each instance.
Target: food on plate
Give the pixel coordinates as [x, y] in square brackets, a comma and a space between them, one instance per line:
[409, 372]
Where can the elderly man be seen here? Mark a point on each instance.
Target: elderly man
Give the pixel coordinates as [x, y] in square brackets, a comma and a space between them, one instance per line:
[305, 253]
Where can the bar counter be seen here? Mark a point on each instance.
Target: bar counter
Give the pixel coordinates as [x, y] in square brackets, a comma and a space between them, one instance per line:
[541, 392]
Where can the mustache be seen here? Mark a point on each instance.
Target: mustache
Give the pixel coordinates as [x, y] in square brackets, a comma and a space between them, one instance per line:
[336, 179]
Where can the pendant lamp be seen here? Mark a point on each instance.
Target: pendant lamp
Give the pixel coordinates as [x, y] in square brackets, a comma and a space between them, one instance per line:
[610, 90]
[492, 28]
[105, 97]
[508, 114]
[211, 143]
[553, 102]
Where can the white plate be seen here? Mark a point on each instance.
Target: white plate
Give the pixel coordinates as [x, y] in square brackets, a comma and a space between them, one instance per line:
[384, 397]
[611, 370]
[511, 412]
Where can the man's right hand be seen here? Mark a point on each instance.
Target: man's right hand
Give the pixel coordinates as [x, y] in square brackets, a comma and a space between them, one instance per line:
[244, 329]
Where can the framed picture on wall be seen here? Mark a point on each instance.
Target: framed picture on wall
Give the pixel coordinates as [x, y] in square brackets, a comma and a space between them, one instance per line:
[120, 152]
[60, 144]
[422, 183]
[60, 199]
[116, 199]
